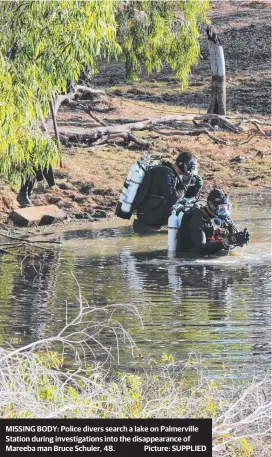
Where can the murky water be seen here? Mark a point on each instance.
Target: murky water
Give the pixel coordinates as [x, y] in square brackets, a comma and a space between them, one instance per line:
[217, 307]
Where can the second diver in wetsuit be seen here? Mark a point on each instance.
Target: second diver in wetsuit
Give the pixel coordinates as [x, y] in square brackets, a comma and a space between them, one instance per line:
[198, 234]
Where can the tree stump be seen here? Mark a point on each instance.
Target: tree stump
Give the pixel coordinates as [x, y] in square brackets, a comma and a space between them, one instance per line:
[218, 89]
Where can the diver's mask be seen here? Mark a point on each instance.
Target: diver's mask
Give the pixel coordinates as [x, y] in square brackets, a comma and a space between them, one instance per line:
[192, 167]
[224, 209]
[219, 206]
[224, 212]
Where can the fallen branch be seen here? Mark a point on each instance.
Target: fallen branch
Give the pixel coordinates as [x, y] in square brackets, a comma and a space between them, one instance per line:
[195, 132]
[260, 131]
[24, 240]
[98, 132]
[59, 99]
[96, 119]
[101, 141]
[19, 242]
[105, 133]
[85, 328]
[248, 140]
[214, 138]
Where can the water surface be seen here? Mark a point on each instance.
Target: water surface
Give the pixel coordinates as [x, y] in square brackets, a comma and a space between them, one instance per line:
[217, 307]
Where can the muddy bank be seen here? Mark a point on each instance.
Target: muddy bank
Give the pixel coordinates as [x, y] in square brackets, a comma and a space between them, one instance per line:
[91, 178]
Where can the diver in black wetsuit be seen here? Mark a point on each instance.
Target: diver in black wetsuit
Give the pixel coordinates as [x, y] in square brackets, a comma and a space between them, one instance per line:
[197, 233]
[163, 186]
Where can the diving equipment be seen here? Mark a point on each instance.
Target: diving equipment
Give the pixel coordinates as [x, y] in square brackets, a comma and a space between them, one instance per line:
[174, 221]
[134, 178]
[236, 239]
[173, 226]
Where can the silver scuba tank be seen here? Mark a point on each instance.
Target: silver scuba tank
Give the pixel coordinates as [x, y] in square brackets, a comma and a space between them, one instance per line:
[136, 176]
[126, 184]
[174, 221]
[173, 226]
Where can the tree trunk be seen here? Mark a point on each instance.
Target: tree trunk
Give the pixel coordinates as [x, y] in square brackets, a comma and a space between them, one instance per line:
[218, 89]
[57, 138]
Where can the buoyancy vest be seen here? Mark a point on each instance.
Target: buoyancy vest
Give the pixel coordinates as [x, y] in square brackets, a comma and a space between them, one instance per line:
[156, 195]
[183, 235]
[196, 233]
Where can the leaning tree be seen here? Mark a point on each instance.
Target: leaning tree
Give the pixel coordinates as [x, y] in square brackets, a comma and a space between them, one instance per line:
[43, 45]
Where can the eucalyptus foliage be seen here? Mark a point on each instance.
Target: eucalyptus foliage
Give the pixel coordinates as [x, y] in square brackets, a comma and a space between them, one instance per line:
[153, 33]
[45, 44]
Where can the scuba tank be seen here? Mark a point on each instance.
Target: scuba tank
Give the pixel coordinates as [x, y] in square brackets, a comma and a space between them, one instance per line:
[173, 225]
[118, 210]
[174, 221]
[126, 184]
[136, 174]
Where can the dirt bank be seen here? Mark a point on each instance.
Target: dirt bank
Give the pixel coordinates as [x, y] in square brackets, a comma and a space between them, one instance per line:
[91, 178]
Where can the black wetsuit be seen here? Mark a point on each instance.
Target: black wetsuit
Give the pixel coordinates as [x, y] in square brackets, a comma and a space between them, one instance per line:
[195, 232]
[160, 190]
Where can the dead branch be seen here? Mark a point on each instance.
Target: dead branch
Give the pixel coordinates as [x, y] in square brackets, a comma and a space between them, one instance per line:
[205, 125]
[195, 132]
[105, 133]
[248, 139]
[24, 240]
[101, 141]
[214, 138]
[97, 132]
[260, 131]
[19, 242]
[96, 119]
[249, 120]
[59, 99]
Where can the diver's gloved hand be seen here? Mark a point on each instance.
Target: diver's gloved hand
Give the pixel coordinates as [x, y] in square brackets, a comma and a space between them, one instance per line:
[236, 239]
[198, 182]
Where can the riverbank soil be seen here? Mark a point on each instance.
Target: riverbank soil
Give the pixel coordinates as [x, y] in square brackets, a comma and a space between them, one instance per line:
[91, 178]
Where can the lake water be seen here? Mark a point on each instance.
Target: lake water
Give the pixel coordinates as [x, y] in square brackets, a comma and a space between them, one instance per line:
[216, 308]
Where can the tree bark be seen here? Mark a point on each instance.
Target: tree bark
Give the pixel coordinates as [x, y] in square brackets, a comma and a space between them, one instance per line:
[218, 88]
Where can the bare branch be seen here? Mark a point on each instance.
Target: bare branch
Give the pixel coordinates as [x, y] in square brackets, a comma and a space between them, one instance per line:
[59, 99]
[96, 119]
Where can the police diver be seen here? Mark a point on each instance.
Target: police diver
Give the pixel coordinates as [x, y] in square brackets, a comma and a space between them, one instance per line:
[210, 229]
[163, 186]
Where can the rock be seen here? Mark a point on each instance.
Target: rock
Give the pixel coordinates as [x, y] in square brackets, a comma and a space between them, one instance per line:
[79, 199]
[259, 154]
[86, 189]
[37, 215]
[99, 213]
[54, 199]
[238, 159]
[65, 186]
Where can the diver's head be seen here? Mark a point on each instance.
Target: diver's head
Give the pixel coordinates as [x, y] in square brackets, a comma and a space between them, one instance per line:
[218, 203]
[186, 162]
